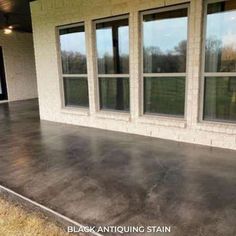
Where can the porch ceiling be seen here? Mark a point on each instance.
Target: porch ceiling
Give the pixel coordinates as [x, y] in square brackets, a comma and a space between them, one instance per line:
[18, 14]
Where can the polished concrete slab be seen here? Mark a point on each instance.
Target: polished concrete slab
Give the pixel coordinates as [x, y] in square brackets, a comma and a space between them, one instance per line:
[100, 177]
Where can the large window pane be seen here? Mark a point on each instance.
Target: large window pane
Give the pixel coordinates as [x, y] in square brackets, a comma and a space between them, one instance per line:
[73, 51]
[76, 92]
[165, 41]
[220, 98]
[112, 41]
[164, 95]
[221, 37]
[113, 47]
[114, 93]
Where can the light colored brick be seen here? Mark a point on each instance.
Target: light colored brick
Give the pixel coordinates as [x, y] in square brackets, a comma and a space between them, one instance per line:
[47, 15]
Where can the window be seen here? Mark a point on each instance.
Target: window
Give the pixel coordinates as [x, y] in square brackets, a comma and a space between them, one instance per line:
[220, 62]
[164, 60]
[112, 41]
[74, 66]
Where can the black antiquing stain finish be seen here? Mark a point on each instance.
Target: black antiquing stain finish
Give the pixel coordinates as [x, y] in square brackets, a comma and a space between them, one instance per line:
[108, 178]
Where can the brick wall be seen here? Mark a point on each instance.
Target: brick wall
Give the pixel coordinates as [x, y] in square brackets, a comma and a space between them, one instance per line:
[18, 56]
[47, 14]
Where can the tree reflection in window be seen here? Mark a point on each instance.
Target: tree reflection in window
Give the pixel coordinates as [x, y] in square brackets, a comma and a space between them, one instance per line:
[221, 37]
[165, 41]
[73, 50]
[112, 41]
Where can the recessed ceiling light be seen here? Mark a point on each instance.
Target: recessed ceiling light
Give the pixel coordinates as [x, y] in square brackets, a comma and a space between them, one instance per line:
[7, 31]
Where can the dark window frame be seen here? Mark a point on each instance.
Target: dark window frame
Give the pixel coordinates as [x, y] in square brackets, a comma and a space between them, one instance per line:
[4, 94]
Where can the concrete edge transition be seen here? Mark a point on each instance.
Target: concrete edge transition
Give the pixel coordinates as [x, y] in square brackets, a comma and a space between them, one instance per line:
[32, 205]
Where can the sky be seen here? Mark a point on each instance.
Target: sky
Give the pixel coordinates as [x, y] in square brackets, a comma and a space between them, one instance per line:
[73, 42]
[104, 41]
[222, 26]
[165, 34]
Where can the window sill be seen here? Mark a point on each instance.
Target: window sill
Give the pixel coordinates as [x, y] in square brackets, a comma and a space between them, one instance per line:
[115, 115]
[163, 121]
[217, 127]
[75, 111]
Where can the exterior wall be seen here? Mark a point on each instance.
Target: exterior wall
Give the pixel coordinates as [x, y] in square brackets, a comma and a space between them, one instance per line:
[18, 56]
[47, 14]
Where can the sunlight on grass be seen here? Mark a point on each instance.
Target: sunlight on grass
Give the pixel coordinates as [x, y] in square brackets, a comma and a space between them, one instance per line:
[15, 221]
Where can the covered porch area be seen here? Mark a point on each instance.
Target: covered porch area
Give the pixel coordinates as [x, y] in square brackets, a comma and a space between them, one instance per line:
[98, 177]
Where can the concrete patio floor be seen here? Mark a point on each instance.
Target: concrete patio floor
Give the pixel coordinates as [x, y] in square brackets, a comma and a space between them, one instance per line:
[100, 177]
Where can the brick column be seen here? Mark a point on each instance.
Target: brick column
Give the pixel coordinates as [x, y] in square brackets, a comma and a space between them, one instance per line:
[194, 62]
[92, 67]
[134, 65]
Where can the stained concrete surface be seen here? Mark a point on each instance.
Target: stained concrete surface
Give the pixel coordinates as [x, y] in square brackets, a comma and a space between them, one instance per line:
[100, 177]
